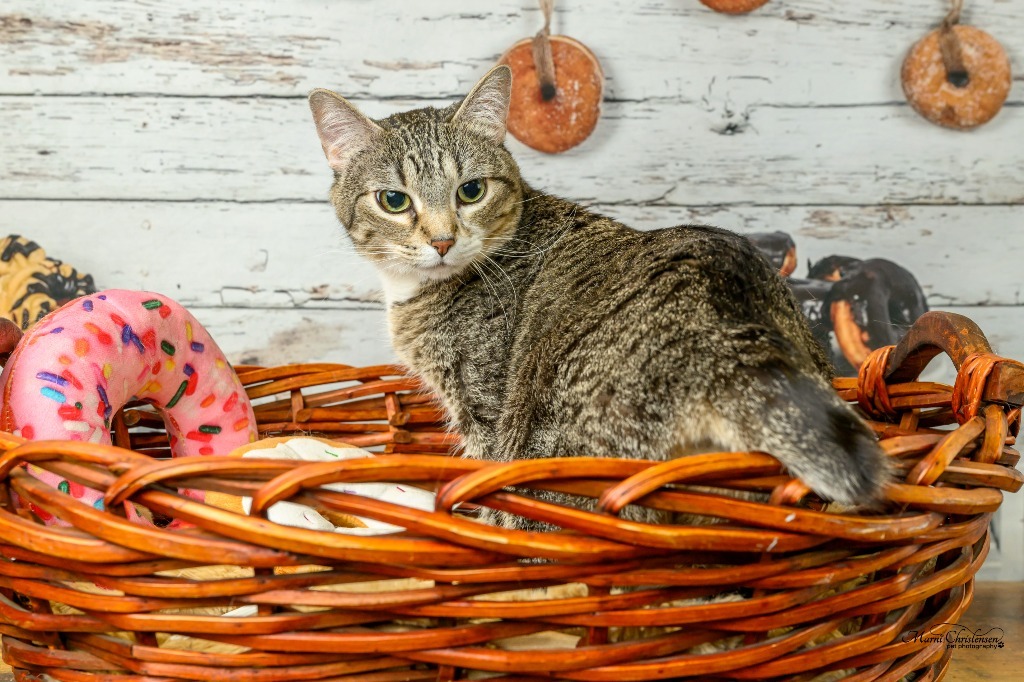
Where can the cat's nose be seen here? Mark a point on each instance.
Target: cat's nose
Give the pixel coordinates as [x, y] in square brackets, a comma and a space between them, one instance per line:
[442, 244]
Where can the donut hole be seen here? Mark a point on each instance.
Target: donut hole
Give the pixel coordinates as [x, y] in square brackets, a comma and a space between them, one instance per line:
[958, 79]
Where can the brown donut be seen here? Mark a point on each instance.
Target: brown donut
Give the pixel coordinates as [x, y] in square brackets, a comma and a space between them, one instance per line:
[932, 94]
[570, 116]
[733, 6]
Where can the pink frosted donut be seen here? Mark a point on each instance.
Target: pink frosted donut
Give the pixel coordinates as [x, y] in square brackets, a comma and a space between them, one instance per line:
[81, 363]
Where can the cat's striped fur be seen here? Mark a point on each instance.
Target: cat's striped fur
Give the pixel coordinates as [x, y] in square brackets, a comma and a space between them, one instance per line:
[551, 331]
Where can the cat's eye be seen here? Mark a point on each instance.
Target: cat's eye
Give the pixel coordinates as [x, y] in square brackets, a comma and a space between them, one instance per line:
[392, 201]
[472, 191]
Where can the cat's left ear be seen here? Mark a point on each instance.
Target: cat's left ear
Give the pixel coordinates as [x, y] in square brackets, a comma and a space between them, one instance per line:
[486, 106]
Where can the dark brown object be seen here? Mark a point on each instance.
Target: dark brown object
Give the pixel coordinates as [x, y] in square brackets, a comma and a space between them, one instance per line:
[779, 248]
[835, 591]
[952, 49]
[10, 335]
[734, 6]
[871, 303]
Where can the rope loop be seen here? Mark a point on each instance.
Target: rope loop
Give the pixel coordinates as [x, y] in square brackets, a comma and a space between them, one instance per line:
[872, 391]
[543, 60]
[970, 384]
[952, 51]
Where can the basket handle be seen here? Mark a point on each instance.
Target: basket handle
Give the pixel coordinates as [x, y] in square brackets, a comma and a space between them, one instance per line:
[958, 337]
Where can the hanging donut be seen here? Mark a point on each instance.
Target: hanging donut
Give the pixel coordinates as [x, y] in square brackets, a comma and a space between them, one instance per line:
[957, 76]
[734, 6]
[557, 88]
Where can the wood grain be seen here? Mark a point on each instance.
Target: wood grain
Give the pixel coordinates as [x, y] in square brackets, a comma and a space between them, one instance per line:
[246, 149]
[804, 53]
[996, 605]
[295, 254]
[284, 335]
[279, 336]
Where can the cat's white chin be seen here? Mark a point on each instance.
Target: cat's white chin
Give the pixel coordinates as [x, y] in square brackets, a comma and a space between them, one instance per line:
[401, 284]
[440, 271]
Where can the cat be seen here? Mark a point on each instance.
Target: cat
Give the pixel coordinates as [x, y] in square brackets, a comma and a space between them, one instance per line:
[551, 331]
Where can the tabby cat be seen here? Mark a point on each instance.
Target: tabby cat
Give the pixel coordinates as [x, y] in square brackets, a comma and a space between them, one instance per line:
[550, 331]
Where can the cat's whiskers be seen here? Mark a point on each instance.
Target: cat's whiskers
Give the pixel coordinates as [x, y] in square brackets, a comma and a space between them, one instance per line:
[536, 250]
[512, 254]
[352, 250]
[493, 288]
[511, 284]
[347, 254]
[478, 268]
[537, 195]
[559, 233]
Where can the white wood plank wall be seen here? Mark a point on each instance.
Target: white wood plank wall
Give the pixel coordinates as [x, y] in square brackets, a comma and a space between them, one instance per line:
[168, 145]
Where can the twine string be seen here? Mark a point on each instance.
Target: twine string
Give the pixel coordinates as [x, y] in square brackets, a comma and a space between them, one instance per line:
[951, 49]
[547, 7]
[542, 58]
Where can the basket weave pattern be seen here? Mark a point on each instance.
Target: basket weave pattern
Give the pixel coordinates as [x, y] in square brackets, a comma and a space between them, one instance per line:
[814, 590]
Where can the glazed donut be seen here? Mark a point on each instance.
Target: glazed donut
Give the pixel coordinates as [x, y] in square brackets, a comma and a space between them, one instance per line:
[554, 121]
[779, 248]
[962, 99]
[80, 364]
[834, 268]
[733, 6]
[872, 303]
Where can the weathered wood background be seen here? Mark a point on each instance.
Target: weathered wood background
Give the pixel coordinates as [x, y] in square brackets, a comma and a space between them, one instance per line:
[168, 145]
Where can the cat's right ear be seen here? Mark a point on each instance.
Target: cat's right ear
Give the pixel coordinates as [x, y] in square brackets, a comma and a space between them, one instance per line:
[343, 130]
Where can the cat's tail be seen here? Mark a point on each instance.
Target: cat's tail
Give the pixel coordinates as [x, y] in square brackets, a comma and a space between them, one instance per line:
[798, 418]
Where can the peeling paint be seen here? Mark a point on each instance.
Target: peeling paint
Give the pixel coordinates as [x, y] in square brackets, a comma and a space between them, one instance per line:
[307, 339]
[403, 65]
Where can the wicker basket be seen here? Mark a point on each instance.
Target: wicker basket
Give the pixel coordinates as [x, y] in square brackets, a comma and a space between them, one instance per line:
[812, 591]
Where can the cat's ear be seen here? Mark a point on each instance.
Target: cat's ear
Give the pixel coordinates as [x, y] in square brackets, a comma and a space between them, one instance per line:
[486, 106]
[343, 130]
